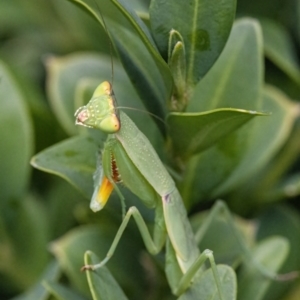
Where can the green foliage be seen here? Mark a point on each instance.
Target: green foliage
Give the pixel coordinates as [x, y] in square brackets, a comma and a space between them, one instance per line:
[228, 93]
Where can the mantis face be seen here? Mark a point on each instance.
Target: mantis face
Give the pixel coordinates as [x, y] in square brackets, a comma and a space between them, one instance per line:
[100, 112]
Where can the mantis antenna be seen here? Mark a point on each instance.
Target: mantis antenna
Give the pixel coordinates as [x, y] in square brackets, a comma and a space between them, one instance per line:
[143, 111]
[109, 41]
[112, 68]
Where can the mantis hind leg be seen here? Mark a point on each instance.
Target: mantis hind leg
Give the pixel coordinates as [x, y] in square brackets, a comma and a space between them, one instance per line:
[218, 282]
[153, 245]
[191, 279]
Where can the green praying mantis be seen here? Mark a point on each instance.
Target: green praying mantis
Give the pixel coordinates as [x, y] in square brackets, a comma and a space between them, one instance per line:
[128, 157]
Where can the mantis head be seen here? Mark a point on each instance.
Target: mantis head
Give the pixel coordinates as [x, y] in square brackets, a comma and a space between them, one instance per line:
[100, 112]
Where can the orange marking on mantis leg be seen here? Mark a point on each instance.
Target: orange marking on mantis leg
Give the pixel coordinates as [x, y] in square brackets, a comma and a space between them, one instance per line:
[104, 192]
[106, 186]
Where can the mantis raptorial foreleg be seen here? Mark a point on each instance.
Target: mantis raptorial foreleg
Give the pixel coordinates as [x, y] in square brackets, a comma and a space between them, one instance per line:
[153, 245]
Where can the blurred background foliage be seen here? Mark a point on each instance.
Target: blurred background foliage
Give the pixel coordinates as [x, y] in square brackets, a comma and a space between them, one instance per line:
[43, 218]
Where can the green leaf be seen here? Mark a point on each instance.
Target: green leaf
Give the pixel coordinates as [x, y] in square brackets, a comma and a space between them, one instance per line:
[222, 87]
[204, 25]
[268, 185]
[288, 188]
[37, 291]
[205, 288]
[243, 153]
[83, 32]
[194, 132]
[73, 159]
[282, 220]
[271, 253]
[98, 238]
[62, 205]
[102, 284]
[220, 237]
[279, 48]
[231, 82]
[16, 138]
[84, 91]
[294, 293]
[231, 161]
[23, 248]
[61, 292]
[81, 239]
[177, 64]
[144, 65]
[286, 13]
[264, 144]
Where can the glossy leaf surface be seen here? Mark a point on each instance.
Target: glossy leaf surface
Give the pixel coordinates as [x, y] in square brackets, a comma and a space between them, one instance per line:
[73, 160]
[205, 286]
[271, 253]
[60, 292]
[231, 82]
[279, 48]
[204, 25]
[192, 133]
[240, 158]
[16, 137]
[37, 291]
[102, 284]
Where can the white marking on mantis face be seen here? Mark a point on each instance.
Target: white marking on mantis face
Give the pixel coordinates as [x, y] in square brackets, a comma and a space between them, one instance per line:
[82, 114]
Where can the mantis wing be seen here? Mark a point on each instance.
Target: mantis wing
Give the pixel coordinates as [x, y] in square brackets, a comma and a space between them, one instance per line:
[144, 157]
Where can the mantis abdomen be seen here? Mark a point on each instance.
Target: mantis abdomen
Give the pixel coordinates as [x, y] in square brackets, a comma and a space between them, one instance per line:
[141, 152]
